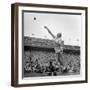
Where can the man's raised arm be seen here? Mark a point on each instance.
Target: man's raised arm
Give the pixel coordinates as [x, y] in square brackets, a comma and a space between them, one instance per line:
[49, 31]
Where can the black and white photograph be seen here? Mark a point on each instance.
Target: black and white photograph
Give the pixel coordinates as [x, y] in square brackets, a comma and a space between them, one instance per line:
[50, 44]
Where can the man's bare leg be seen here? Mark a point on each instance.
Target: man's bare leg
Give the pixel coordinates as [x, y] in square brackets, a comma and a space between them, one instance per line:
[59, 58]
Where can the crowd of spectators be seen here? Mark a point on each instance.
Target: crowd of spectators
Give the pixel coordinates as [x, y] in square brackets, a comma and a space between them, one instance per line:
[45, 62]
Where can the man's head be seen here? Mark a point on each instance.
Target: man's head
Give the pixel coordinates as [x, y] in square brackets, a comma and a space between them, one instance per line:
[59, 35]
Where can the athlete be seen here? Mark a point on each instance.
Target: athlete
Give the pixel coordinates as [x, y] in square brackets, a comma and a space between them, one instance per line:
[58, 45]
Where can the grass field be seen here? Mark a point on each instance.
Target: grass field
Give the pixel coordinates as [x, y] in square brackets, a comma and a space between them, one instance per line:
[47, 74]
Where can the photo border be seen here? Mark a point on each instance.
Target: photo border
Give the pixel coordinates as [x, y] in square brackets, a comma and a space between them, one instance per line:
[14, 43]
